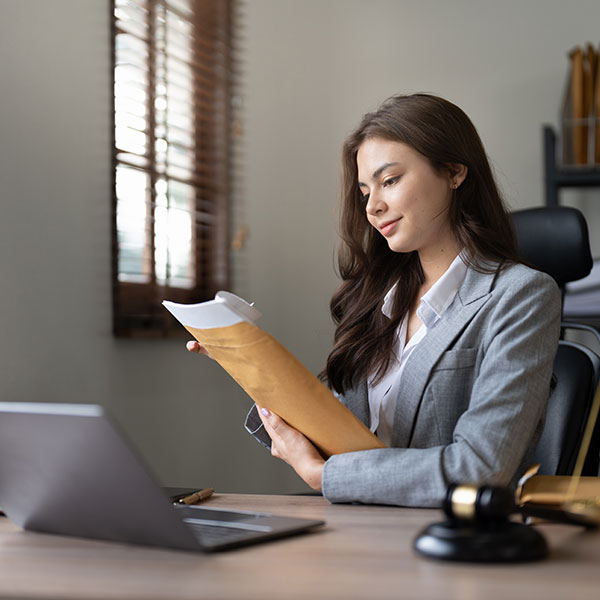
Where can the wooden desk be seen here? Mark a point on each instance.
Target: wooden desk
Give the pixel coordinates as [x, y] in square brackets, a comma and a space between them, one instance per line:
[363, 552]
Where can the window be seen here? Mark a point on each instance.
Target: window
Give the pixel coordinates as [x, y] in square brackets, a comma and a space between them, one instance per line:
[174, 121]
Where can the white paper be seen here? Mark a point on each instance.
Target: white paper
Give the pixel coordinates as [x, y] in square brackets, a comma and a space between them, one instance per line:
[225, 310]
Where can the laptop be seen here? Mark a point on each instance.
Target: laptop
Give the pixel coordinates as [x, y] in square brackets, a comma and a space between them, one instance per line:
[67, 469]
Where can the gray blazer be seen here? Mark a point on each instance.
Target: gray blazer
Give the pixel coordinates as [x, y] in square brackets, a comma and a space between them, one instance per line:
[472, 399]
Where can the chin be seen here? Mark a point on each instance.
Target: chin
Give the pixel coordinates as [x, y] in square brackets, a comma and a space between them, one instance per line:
[399, 247]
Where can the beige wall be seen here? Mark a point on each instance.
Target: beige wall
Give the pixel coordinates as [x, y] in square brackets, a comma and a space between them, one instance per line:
[312, 68]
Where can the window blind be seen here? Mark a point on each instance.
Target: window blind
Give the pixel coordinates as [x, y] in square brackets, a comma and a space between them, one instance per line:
[175, 98]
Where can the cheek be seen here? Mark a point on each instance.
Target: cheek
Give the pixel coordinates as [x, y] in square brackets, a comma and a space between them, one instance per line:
[441, 196]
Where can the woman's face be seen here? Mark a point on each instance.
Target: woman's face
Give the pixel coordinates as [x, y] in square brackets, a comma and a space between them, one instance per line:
[406, 199]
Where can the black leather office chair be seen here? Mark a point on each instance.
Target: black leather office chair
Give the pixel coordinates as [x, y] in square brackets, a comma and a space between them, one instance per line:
[555, 240]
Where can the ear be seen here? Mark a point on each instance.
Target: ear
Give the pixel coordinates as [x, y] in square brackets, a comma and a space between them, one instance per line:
[458, 173]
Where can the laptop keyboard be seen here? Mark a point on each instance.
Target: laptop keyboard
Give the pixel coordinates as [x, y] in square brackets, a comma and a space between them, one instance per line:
[210, 533]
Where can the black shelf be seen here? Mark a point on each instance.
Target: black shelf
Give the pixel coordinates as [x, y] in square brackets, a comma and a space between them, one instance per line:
[557, 177]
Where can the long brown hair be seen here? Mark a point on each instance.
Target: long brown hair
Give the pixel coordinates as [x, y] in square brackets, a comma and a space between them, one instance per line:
[443, 133]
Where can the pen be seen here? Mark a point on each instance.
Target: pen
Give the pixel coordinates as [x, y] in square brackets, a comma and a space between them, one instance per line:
[197, 496]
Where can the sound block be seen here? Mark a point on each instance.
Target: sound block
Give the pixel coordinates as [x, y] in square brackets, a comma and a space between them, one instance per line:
[494, 542]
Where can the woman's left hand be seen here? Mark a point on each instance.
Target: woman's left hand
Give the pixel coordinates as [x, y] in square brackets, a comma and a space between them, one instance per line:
[290, 445]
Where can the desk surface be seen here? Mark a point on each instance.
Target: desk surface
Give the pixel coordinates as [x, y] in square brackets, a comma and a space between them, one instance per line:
[363, 552]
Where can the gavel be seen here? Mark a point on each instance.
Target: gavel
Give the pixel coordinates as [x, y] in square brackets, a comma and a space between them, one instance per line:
[479, 529]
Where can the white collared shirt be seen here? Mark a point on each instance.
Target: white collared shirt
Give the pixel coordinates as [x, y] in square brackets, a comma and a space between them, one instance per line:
[383, 395]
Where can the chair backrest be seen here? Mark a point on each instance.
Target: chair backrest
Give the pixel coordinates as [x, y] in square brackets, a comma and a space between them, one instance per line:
[555, 240]
[576, 369]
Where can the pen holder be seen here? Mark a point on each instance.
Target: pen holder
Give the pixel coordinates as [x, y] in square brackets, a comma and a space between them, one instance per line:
[478, 529]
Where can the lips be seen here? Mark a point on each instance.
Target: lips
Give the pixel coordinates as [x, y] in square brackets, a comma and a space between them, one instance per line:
[388, 227]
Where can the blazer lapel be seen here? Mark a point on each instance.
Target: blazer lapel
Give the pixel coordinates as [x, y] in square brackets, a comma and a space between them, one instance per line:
[472, 295]
[357, 400]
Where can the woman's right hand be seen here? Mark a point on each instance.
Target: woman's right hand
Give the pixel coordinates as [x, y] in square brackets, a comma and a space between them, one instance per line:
[193, 346]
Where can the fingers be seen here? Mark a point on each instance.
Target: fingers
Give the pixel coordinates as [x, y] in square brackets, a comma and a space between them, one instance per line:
[275, 427]
[270, 419]
[193, 346]
[286, 442]
[289, 445]
[274, 424]
[265, 416]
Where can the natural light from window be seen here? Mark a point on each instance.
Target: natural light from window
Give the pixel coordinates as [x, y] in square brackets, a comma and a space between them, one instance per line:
[155, 211]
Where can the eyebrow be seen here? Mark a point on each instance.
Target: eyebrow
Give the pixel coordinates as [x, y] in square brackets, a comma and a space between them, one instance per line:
[377, 172]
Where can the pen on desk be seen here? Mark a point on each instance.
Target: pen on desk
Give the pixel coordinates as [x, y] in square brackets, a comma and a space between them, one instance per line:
[197, 496]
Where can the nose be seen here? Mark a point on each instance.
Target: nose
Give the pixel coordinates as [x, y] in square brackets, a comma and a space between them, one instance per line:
[375, 204]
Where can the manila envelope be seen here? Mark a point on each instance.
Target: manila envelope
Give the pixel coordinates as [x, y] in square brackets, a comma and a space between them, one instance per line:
[275, 379]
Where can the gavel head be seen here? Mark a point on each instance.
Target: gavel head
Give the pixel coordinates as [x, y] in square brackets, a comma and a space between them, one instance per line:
[478, 504]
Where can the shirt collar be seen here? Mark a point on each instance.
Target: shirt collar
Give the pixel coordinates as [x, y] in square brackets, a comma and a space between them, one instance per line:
[388, 301]
[441, 295]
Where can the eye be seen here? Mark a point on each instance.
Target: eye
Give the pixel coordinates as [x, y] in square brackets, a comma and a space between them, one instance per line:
[364, 195]
[391, 181]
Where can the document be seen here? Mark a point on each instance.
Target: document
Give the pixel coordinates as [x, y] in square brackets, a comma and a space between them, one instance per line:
[271, 375]
[556, 490]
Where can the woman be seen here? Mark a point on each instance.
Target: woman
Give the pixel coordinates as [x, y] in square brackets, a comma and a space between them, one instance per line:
[444, 343]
